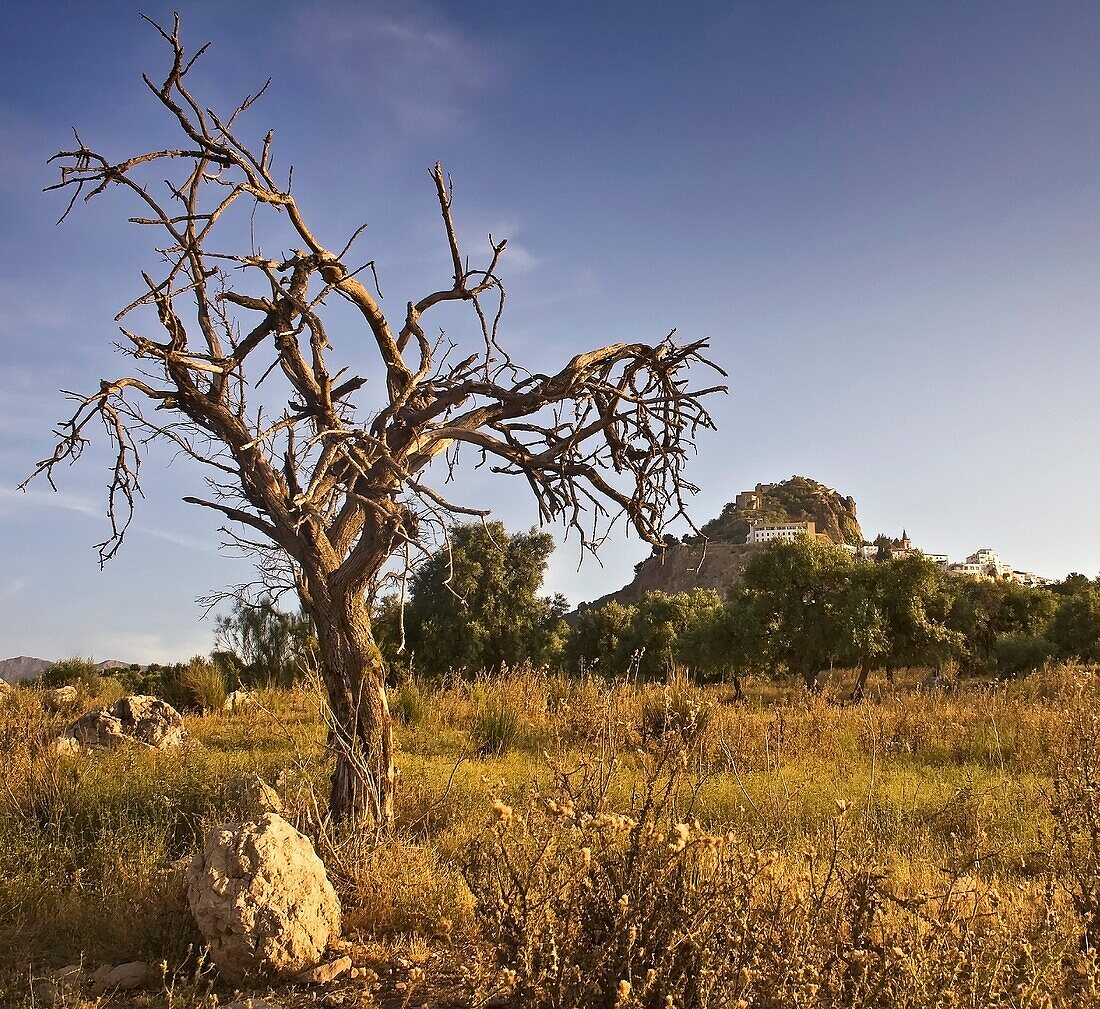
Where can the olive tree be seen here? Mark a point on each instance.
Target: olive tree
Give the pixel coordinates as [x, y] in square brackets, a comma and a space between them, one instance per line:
[327, 494]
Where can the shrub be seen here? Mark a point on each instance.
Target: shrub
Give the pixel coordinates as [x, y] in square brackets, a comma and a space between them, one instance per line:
[586, 906]
[196, 685]
[676, 709]
[497, 724]
[409, 703]
[1017, 654]
[75, 672]
[397, 886]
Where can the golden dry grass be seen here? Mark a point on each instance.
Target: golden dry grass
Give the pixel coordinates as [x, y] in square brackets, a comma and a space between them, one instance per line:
[945, 797]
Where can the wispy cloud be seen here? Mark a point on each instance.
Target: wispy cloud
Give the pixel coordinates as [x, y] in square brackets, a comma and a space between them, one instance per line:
[11, 588]
[474, 232]
[405, 57]
[12, 499]
[80, 505]
[137, 646]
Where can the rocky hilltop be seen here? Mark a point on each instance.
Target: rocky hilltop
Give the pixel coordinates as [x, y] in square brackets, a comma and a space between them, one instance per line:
[682, 567]
[798, 499]
[714, 559]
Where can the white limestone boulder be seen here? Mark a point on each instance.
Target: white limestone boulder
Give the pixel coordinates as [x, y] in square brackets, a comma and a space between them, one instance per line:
[238, 701]
[148, 721]
[60, 698]
[262, 900]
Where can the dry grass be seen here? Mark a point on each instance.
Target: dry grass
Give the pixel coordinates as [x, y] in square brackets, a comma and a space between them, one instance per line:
[946, 848]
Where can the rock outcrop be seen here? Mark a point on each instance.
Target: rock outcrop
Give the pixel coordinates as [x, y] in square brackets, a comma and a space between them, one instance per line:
[714, 559]
[261, 899]
[148, 721]
[681, 568]
[798, 499]
[60, 698]
[254, 796]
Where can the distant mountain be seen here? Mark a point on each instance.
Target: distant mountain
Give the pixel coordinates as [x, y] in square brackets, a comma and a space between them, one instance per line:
[23, 667]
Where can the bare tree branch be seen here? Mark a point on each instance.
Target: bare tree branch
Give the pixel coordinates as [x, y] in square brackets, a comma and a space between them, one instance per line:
[245, 372]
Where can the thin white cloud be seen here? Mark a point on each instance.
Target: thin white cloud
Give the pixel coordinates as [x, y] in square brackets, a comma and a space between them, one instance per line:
[47, 499]
[11, 588]
[474, 232]
[141, 647]
[405, 57]
[80, 505]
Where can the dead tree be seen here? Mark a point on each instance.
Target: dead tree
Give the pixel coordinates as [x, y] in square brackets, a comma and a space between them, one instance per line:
[239, 376]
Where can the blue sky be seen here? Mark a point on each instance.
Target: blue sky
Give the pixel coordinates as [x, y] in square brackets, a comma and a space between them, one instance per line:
[884, 217]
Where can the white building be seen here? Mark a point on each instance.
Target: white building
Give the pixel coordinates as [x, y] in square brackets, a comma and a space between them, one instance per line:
[789, 532]
[972, 569]
[987, 563]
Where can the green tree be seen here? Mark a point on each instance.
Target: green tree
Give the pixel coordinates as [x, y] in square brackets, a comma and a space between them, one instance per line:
[863, 638]
[729, 644]
[801, 597]
[985, 612]
[599, 639]
[1075, 629]
[665, 626]
[475, 603]
[260, 643]
[914, 598]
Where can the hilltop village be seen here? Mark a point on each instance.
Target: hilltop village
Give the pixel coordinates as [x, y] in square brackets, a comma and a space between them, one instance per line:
[983, 563]
[712, 557]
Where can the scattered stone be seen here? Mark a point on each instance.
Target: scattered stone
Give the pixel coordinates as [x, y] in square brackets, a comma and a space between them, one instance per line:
[150, 720]
[60, 698]
[261, 899]
[72, 974]
[254, 796]
[325, 972]
[137, 719]
[66, 746]
[60, 988]
[100, 975]
[124, 977]
[253, 1003]
[238, 700]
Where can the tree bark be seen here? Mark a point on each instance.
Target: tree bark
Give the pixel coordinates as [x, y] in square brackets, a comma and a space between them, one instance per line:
[365, 776]
[861, 683]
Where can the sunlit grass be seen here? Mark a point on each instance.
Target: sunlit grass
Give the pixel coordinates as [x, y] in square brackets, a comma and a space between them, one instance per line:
[90, 847]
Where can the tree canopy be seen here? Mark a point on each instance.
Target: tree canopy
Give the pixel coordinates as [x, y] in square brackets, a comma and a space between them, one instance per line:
[475, 604]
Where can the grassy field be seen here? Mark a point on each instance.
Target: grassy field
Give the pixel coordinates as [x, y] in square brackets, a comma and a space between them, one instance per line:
[577, 843]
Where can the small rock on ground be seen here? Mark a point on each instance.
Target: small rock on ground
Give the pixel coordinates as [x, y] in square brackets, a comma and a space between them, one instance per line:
[323, 973]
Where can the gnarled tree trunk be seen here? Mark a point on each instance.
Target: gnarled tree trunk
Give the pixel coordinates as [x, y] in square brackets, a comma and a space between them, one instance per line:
[365, 776]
